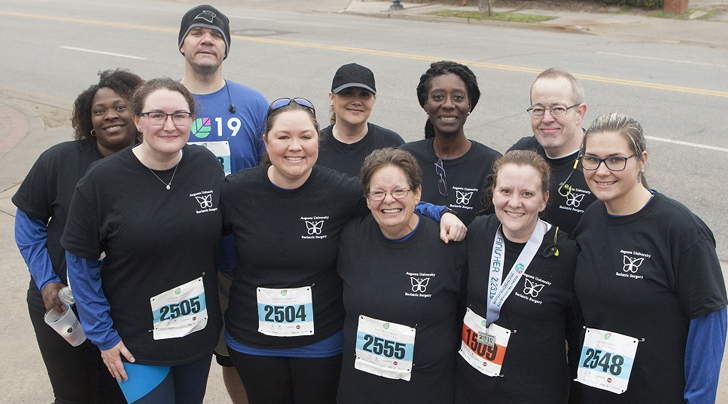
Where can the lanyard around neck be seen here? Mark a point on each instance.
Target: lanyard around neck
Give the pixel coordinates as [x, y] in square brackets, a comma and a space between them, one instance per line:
[497, 292]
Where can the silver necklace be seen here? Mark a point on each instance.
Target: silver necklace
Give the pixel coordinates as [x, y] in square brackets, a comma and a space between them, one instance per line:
[167, 185]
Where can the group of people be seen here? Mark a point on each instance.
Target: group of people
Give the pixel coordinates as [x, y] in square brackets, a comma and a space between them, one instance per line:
[311, 261]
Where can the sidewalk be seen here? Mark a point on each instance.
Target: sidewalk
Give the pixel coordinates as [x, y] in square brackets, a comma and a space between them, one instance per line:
[712, 33]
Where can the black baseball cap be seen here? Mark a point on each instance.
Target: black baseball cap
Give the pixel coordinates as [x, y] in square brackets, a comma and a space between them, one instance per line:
[353, 75]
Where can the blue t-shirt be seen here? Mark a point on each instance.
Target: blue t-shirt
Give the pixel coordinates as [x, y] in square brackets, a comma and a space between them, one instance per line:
[243, 130]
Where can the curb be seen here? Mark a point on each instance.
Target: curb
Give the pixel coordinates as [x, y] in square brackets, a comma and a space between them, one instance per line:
[681, 32]
[436, 19]
[14, 126]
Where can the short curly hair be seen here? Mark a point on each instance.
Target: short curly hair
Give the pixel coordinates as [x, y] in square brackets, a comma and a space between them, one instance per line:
[447, 67]
[123, 82]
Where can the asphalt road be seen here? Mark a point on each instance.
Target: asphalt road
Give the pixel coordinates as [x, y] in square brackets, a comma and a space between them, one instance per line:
[54, 49]
[678, 93]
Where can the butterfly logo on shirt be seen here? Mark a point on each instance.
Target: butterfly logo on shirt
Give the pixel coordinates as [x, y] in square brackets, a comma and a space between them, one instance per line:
[574, 200]
[631, 264]
[463, 198]
[419, 285]
[314, 228]
[205, 201]
[531, 288]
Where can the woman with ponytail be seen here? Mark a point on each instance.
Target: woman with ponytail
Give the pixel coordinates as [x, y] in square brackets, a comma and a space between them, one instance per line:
[454, 168]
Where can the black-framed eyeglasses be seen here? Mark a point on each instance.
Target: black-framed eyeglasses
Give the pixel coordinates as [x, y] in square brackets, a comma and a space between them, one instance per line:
[381, 195]
[442, 182]
[282, 102]
[179, 118]
[558, 110]
[613, 163]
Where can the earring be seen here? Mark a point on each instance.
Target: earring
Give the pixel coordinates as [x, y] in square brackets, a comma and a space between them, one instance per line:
[93, 134]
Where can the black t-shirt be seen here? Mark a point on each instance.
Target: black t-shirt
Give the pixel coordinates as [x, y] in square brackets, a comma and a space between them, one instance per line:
[466, 176]
[562, 211]
[416, 282]
[154, 239]
[45, 195]
[348, 158]
[287, 239]
[646, 275]
[534, 367]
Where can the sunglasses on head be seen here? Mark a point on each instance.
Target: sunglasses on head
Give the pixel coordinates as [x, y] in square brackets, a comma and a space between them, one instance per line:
[282, 102]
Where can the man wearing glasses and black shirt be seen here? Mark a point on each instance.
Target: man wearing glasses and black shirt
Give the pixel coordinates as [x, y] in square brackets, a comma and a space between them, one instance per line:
[229, 123]
[557, 110]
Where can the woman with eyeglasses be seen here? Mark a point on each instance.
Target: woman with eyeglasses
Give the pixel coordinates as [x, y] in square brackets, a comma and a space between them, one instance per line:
[285, 318]
[648, 279]
[103, 126]
[402, 288]
[520, 285]
[151, 212]
[454, 168]
[350, 137]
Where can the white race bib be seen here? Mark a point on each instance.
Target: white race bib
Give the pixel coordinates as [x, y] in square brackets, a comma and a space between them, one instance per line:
[285, 312]
[221, 150]
[606, 360]
[476, 348]
[179, 311]
[384, 349]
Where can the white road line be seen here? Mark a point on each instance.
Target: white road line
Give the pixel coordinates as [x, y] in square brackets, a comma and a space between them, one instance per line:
[103, 53]
[661, 59]
[696, 145]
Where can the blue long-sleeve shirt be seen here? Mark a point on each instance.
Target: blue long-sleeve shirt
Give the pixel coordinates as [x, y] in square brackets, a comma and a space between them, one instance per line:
[703, 356]
[93, 308]
[31, 236]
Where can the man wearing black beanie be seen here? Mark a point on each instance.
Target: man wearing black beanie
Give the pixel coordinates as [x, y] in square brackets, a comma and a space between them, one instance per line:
[229, 123]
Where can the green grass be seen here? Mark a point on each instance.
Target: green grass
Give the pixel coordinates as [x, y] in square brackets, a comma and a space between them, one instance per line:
[510, 17]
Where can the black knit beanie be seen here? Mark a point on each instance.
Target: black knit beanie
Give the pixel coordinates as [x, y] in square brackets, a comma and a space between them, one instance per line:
[205, 16]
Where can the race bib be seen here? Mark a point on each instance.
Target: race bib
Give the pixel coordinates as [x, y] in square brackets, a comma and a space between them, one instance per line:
[606, 360]
[384, 349]
[179, 311]
[483, 347]
[221, 150]
[285, 312]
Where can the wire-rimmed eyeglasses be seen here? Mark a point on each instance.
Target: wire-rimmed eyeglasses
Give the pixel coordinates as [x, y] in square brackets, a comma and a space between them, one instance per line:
[381, 195]
[442, 182]
[556, 110]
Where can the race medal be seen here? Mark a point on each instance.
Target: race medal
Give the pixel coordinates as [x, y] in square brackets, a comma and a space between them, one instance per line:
[285, 312]
[606, 360]
[179, 311]
[221, 150]
[487, 359]
[384, 349]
